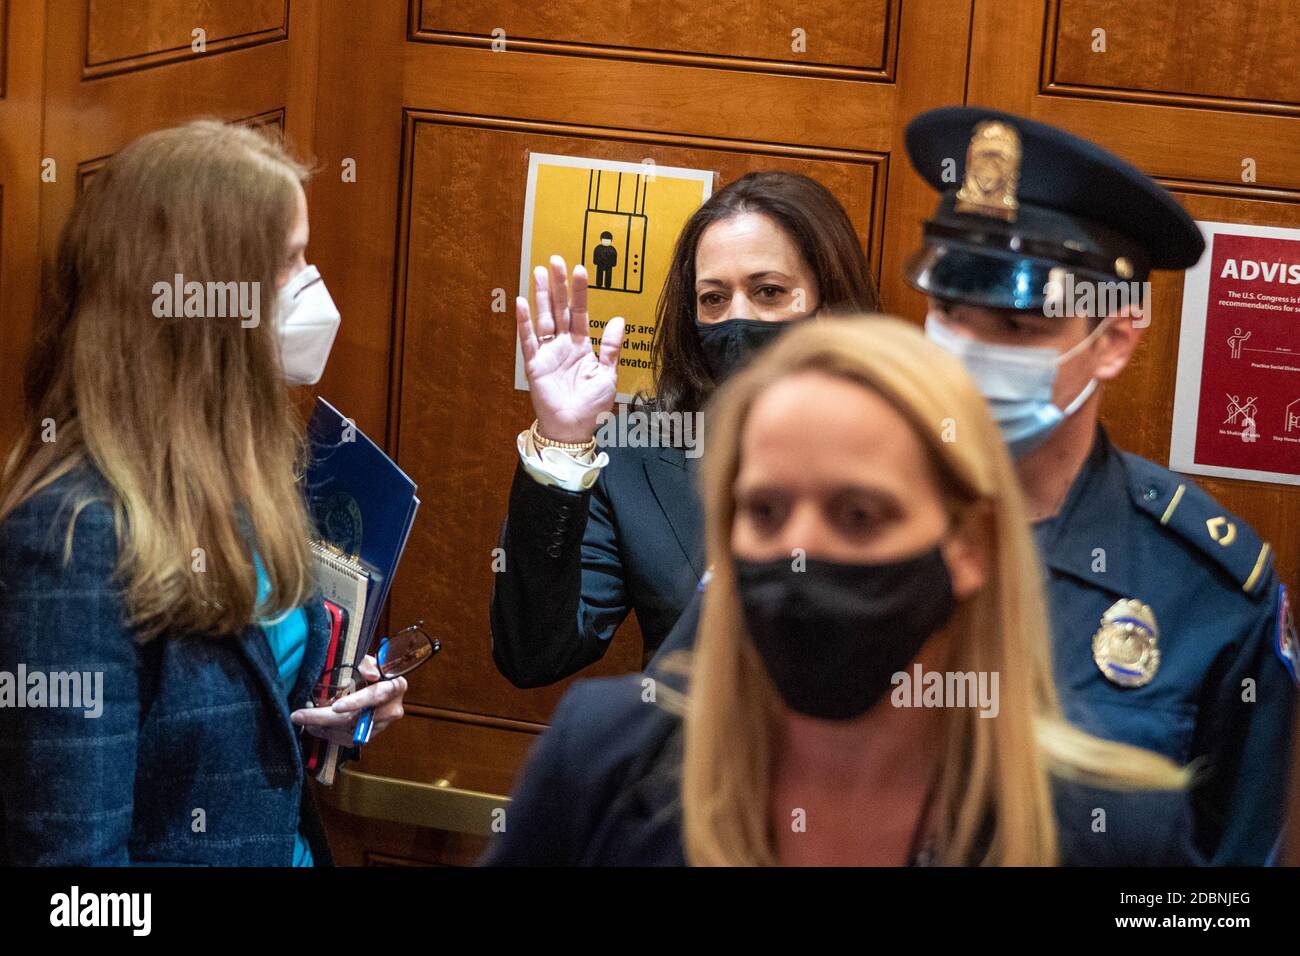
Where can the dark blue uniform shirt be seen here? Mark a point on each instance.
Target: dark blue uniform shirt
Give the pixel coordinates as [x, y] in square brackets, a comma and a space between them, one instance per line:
[1220, 692]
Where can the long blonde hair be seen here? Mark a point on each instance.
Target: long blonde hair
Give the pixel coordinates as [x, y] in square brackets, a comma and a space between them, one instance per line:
[188, 419]
[993, 771]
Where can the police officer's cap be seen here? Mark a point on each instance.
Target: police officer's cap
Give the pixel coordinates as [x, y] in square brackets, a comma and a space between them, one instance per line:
[1020, 198]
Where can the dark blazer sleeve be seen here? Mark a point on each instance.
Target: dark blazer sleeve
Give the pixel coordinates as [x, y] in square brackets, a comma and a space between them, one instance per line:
[66, 779]
[544, 822]
[578, 769]
[562, 594]
[682, 637]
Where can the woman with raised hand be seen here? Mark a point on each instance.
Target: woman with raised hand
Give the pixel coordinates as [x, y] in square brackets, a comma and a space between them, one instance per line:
[871, 680]
[594, 534]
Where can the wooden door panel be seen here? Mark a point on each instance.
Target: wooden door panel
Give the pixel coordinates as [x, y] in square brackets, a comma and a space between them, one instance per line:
[90, 114]
[844, 38]
[125, 35]
[1240, 55]
[1168, 133]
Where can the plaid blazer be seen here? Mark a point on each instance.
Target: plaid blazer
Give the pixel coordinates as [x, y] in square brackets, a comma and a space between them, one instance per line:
[185, 756]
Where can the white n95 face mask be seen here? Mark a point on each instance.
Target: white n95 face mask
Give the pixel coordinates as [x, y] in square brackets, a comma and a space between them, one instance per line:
[307, 322]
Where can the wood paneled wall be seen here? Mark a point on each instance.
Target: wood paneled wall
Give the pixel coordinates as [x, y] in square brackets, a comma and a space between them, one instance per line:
[436, 105]
[21, 112]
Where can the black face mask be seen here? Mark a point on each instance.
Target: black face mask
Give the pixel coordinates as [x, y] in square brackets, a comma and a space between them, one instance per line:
[729, 345]
[833, 635]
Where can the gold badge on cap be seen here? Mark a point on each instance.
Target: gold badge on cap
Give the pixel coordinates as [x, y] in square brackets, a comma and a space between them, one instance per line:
[992, 171]
[1124, 647]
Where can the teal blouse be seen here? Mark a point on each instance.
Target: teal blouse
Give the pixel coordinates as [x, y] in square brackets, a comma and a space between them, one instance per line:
[287, 636]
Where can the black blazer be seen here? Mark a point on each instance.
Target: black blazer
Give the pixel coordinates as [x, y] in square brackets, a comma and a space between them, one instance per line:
[602, 787]
[577, 562]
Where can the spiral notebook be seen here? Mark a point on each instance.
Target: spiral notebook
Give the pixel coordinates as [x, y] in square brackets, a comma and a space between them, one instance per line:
[344, 581]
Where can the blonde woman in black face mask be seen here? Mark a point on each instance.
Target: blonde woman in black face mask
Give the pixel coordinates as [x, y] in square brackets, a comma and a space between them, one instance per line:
[595, 534]
[871, 681]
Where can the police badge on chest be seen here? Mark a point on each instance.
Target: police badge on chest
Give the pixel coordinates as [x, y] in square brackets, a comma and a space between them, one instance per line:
[1125, 646]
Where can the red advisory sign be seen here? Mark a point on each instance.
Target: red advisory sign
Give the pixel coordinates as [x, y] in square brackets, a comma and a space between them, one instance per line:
[1239, 361]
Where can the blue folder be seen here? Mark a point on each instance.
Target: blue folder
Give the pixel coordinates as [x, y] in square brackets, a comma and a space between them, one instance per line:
[361, 503]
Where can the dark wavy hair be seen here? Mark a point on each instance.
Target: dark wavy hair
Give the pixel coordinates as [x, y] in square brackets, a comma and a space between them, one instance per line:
[819, 227]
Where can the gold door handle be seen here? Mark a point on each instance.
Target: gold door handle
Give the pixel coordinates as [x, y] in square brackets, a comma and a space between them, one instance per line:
[439, 806]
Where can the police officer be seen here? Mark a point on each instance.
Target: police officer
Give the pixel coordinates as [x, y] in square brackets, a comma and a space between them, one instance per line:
[1170, 627]
[1166, 609]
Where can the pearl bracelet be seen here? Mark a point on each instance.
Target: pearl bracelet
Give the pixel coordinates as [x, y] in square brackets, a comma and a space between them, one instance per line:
[589, 445]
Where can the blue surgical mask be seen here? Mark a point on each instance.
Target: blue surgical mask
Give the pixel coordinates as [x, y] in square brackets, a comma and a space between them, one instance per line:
[1017, 381]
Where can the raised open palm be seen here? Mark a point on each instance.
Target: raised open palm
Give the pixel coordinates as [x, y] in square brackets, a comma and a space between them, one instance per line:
[570, 384]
